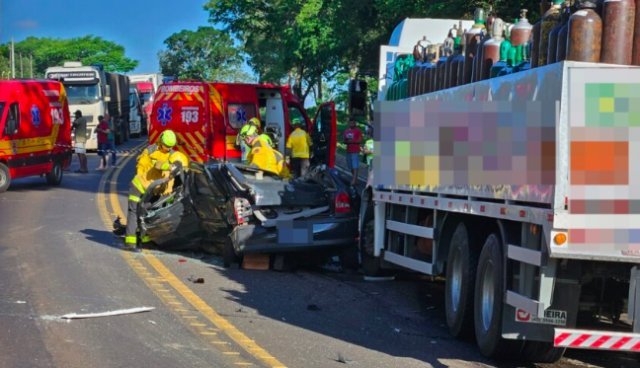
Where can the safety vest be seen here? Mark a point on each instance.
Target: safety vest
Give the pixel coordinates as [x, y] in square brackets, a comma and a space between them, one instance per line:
[299, 143]
[369, 145]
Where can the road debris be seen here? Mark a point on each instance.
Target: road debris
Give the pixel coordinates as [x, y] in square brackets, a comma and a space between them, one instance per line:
[182, 260]
[108, 314]
[21, 302]
[199, 280]
[341, 359]
[241, 310]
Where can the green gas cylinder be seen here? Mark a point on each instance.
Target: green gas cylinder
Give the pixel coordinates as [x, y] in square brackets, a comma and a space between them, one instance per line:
[502, 63]
[511, 57]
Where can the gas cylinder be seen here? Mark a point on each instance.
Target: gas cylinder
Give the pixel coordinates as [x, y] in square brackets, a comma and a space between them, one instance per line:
[526, 52]
[473, 37]
[553, 34]
[440, 77]
[585, 34]
[433, 70]
[618, 18]
[491, 51]
[476, 74]
[521, 32]
[511, 57]
[561, 49]
[454, 60]
[447, 67]
[460, 61]
[635, 60]
[520, 55]
[550, 19]
[505, 46]
[535, 44]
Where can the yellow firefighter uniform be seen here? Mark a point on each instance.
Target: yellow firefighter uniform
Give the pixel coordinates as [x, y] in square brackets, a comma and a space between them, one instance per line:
[266, 158]
[299, 142]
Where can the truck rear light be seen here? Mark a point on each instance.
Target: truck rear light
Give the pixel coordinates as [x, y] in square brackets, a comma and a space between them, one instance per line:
[243, 210]
[343, 204]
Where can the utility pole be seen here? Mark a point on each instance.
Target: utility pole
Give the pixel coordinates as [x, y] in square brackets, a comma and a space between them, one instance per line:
[21, 69]
[31, 57]
[13, 60]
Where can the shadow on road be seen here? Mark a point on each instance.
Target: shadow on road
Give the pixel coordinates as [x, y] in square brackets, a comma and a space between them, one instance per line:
[103, 237]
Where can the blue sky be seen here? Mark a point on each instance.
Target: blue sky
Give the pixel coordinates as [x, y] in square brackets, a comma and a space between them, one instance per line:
[141, 26]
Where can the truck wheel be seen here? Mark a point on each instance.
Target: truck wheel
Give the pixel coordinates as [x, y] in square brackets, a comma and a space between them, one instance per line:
[462, 264]
[54, 177]
[542, 352]
[489, 290]
[5, 178]
[229, 255]
[370, 264]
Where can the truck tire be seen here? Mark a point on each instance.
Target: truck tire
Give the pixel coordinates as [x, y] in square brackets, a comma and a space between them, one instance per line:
[541, 352]
[229, 255]
[462, 264]
[54, 177]
[5, 178]
[489, 291]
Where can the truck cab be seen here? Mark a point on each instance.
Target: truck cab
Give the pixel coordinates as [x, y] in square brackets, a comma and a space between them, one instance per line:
[207, 117]
[136, 114]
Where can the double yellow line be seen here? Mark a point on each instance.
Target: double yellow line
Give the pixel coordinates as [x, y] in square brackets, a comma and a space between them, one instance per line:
[168, 277]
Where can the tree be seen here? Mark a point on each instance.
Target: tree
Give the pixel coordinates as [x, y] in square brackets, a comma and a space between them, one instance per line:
[48, 52]
[206, 54]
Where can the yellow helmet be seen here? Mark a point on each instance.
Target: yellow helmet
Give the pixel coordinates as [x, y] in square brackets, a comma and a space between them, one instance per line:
[255, 122]
[181, 157]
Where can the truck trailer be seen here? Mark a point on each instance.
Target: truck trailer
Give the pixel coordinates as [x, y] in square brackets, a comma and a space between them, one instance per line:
[519, 190]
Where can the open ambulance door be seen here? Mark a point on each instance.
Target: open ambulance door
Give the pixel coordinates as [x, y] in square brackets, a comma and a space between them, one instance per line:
[324, 133]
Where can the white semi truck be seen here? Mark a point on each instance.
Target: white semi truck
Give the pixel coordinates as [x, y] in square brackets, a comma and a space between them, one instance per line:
[95, 93]
[521, 192]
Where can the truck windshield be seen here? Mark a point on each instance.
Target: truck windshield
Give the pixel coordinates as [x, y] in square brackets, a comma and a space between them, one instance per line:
[145, 97]
[82, 93]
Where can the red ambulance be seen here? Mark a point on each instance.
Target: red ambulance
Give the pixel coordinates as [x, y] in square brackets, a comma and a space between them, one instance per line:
[207, 117]
[35, 130]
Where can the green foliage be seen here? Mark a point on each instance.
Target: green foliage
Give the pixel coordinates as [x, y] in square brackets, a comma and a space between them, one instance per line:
[206, 54]
[48, 52]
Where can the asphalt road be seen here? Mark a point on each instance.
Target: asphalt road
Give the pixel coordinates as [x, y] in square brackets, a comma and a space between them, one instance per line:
[58, 256]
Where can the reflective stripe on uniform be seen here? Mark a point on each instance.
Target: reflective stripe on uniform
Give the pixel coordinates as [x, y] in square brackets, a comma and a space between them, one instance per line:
[146, 239]
[166, 166]
[138, 185]
[134, 199]
[130, 240]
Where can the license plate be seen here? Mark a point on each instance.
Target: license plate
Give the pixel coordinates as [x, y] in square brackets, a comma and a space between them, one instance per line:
[294, 232]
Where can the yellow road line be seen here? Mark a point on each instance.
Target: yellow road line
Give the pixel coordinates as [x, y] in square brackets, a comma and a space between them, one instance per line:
[200, 305]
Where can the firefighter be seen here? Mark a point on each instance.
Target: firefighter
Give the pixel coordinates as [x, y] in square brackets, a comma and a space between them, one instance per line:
[298, 149]
[261, 155]
[138, 187]
[151, 157]
[243, 146]
[255, 122]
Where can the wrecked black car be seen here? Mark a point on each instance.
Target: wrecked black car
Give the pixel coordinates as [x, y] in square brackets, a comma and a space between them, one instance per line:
[237, 210]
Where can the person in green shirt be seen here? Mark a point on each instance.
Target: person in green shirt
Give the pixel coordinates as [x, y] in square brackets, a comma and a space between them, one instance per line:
[368, 146]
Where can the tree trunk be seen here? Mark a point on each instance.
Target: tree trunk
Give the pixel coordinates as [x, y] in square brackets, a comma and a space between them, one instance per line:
[298, 88]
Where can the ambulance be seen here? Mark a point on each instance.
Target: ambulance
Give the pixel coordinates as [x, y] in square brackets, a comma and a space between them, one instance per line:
[35, 131]
[207, 117]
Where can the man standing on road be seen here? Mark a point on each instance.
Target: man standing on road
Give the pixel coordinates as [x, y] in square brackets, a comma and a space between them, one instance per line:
[80, 139]
[103, 142]
[261, 155]
[353, 139]
[139, 185]
[298, 149]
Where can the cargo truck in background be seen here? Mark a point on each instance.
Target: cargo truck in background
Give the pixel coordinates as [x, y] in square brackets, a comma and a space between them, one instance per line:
[137, 117]
[147, 86]
[95, 92]
[524, 199]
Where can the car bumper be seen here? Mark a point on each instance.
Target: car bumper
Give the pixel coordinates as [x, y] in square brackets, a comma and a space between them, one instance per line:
[312, 234]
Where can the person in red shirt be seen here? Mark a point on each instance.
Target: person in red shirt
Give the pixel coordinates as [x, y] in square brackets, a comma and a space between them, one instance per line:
[103, 142]
[353, 139]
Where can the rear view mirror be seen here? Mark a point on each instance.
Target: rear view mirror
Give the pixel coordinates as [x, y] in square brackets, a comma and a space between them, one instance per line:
[357, 97]
[107, 93]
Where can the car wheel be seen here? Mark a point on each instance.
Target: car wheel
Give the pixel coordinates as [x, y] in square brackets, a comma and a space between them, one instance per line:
[489, 291]
[5, 178]
[462, 263]
[54, 177]
[229, 255]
